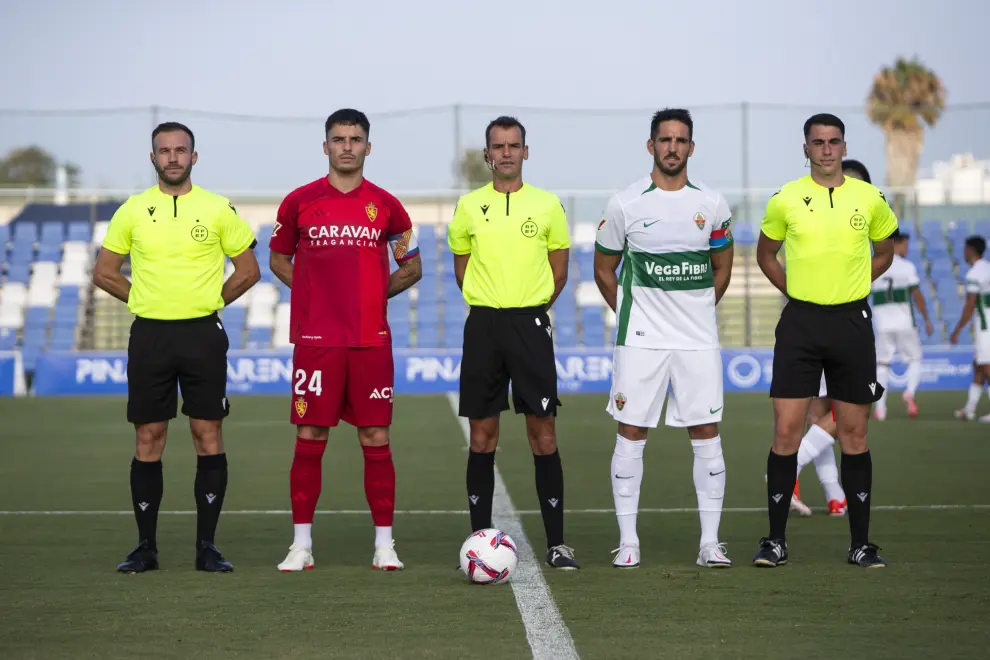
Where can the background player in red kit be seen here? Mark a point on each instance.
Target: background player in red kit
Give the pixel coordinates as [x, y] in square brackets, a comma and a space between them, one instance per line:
[339, 229]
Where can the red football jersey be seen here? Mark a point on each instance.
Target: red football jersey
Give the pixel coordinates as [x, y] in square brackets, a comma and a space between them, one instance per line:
[340, 272]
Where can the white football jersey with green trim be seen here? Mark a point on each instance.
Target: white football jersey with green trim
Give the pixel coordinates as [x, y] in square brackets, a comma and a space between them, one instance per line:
[666, 297]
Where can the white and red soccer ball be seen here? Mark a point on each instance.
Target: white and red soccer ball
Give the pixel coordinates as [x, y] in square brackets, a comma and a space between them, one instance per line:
[489, 557]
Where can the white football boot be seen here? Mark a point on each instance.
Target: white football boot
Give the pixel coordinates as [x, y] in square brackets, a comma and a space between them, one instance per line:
[712, 555]
[300, 558]
[386, 559]
[626, 556]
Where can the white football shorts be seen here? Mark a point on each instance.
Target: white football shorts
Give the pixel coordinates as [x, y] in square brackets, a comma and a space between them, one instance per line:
[981, 346]
[641, 378]
[906, 344]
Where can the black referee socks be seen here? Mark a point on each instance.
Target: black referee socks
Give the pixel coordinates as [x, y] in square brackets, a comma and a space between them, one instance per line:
[857, 481]
[146, 496]
[481, 489]
[209, 489]
[550, 490]
[781, 475]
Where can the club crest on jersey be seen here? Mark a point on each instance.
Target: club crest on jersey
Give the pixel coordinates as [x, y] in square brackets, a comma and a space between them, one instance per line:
[301, 406]
[699, 220]
[371, 210]
[620, 400]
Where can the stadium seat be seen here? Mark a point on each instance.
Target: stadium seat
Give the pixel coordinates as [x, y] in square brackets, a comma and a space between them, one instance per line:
[79, 231]
[565, 335]
[62, 338]
[982, 228]
[11, 316]
[280, 336]
[4, 237]
[25, 232]
[52, 233]
[744, 234]
[99, 233]
[400, 338]
[13, 293]
[18, 273]
[259, 337]
[453, 336]
[8, 339]
[427, 334]
[20, 255]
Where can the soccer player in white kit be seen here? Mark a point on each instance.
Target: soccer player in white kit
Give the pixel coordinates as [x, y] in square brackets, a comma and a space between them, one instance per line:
[676, 248]
[977, 308]
[893, 295]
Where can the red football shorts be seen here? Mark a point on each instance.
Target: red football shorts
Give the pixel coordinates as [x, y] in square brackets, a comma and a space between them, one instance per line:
[334, 383]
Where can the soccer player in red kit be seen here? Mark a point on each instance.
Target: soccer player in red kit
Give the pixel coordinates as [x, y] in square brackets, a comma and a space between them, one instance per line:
[330, 246]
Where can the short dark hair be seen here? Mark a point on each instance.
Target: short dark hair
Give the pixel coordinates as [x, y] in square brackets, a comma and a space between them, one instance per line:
[672, 114]
[171, 127]
[857, 167]
[977, 243]
[823, 119]
[504, 122]
[348, 117]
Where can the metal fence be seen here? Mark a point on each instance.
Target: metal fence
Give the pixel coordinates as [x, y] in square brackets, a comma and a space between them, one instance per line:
[739, 146]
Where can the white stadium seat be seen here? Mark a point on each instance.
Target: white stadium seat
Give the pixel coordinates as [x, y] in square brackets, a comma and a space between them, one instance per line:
[280, 338]
[42, 294]
[44, 271]
[11, 315]
[264, 293]
[584, 234]
[100, 232]
[74, 273]
[588, 295]
[76, 252]
[260, 316]
[13, 293]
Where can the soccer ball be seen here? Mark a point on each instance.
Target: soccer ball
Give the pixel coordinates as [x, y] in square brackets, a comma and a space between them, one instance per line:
[489, 557]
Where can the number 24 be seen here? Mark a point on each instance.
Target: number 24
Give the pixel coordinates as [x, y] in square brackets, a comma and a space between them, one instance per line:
[315, 382]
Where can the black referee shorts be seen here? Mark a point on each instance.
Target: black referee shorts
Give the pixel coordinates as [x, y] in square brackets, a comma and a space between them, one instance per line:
[502, 345]
[836, 339]
[162, 356]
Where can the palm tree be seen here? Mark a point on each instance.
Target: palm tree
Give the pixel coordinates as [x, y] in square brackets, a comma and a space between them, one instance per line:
[905, 98]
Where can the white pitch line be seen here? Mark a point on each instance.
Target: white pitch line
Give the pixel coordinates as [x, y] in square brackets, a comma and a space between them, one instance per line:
[546, 632]
[456, 512]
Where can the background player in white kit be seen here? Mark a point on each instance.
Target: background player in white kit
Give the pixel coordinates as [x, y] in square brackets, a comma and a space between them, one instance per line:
[978, 302]
[675, 244]
[893, 294]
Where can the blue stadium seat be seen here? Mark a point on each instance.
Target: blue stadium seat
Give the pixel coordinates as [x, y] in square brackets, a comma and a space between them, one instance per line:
[234, 316]
[63, 338]
[267, 276]
[18, 272]
[235, 336]
[452, 337]
[34, 338]
[427, 335]
[50, 253]
[4, 237]
[593, 336]
[8, 339]
[25, 232]
[744, 234]
[400, 337]
[29, 358]
[79, 231]
[37, 316]
[264, 233]
[259, 338]
[454, 312]
[565, 335]
[52, 233]
[20, 255]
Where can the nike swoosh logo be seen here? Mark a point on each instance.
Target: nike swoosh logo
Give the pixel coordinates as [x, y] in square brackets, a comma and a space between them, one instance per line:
[618, 477]
[647, 224]
[715, 474]
[713, 411]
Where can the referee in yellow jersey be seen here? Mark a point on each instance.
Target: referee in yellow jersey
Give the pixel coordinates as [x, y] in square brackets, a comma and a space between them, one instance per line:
[177, 235]
[826, 221]
[510, 243]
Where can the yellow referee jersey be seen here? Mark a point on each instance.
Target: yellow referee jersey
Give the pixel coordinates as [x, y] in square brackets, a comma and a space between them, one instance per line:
[508, 236]
[177, 245]
[826, 234]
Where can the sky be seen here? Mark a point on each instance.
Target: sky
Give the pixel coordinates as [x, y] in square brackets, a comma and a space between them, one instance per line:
[583, 76]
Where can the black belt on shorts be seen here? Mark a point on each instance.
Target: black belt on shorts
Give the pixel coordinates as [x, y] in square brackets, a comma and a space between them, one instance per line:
[841, 307]
[509, 310]
[195, 319]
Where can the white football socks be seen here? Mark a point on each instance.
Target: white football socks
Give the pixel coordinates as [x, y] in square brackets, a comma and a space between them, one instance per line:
[383, 536]
[627, 477]
[303, 535]
[883, 377]
[709, 482]
[975, 391]
[913, 377]
[828, 475]
[814, 442]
